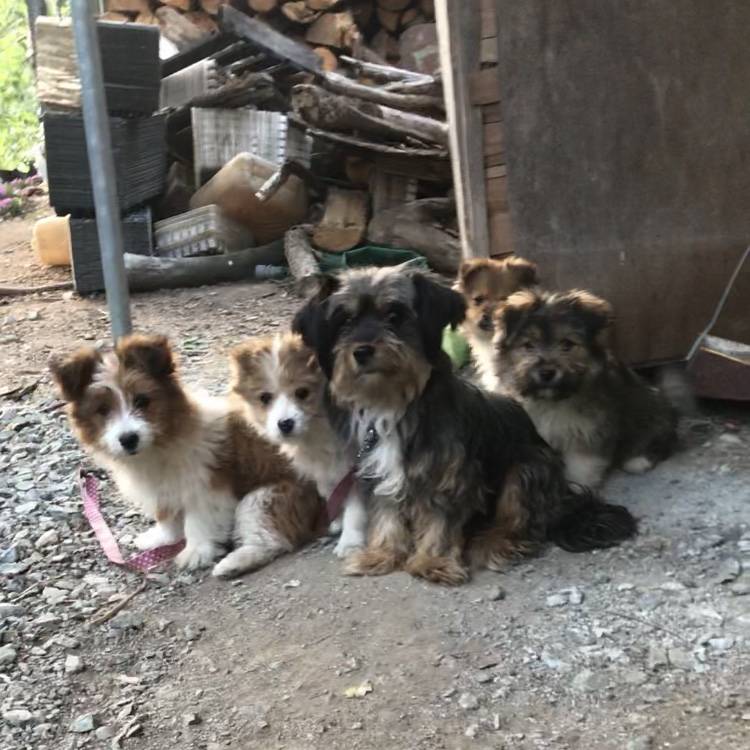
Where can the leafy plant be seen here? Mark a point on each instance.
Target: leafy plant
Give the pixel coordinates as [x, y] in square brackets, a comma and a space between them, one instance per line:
[19, 122]
[15, 196]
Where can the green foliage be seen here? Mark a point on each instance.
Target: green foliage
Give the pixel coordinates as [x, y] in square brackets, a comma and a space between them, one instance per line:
[19, 123]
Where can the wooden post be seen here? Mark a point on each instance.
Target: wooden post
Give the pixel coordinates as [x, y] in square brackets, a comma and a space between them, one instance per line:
[458, 26]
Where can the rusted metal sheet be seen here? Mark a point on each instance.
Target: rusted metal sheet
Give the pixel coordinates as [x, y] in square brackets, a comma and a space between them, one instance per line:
[627, 138]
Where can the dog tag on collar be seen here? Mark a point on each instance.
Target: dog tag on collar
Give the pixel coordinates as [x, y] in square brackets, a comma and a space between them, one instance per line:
[370, 441]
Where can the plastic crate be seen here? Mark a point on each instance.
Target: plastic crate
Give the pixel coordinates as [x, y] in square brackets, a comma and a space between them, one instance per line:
[220, 134]
[202, 231]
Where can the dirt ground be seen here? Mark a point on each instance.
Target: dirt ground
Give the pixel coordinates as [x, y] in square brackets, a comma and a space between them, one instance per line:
[643, 646]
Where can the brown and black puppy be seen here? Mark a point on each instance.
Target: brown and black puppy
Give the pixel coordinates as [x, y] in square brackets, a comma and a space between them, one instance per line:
[454, 474]
[486, 283]
[554, 353]
[189, 462]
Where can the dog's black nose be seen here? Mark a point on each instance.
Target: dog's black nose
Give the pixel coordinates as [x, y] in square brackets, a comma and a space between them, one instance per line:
[364, 353]
[546, 375]
[285, 426]
[129, 441]
[486, 322]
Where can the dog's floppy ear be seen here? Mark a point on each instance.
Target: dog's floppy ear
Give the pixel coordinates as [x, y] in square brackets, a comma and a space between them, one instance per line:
[150, 354]
[510, 316]
[437, 306]
[595, 312]
[524, 270]
[310, 322]
[469, 270]
[74, 374]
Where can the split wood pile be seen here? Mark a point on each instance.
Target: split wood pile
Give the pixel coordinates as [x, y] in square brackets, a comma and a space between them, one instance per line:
[394, 32]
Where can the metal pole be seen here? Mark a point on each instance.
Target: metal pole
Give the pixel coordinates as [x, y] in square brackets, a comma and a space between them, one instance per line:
[102, 166]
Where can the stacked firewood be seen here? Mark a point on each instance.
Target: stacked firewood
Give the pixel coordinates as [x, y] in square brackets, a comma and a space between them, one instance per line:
[360, 78]
[395, 32]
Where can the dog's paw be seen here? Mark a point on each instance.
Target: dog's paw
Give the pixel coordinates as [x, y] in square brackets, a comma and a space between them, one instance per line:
[371, 562]
[638, 465]
[227, 568]
[348, 544]
[335, 526]
[444, 570]
[197, 556]
[156, 536]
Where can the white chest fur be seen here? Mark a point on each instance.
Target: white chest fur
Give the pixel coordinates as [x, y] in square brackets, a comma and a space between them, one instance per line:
[483, 354]
[383, 462]
[176, 477]
[565, 425]
[322, 459]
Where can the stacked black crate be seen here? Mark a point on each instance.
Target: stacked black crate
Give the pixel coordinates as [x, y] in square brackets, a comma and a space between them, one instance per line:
[131, 70]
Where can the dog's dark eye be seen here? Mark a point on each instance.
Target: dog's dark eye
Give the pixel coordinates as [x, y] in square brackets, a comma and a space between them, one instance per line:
[141, 401]
[567, 344]
[395, 315]
[479, 299]
[102, 410]
[528, 345]
[265, 398]
[302, 393]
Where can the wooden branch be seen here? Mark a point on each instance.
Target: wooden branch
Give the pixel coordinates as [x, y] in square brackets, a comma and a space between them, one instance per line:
[299, 254]
[269, 40]
[339, 84]
[322, 109]
[146, 274]
[262, 6]
[22, 291]
[432, 87]
[332, 30]
[249, 88]
[269, 188]
[383, 72]
[416, 226]
[300, 12]
[327, 57]
[379, 148]
[178, 29]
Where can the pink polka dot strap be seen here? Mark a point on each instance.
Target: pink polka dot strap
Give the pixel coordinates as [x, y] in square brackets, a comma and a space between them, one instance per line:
[141, 562]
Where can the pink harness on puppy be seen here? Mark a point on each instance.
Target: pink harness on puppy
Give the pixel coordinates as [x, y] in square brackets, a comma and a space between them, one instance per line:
[141, 562]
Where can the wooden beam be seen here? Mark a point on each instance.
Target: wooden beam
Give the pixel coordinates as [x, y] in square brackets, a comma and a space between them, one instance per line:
[269, 40]
[458, 26]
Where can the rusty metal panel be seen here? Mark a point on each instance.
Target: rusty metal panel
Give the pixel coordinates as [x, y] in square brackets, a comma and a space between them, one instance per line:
[627, 130]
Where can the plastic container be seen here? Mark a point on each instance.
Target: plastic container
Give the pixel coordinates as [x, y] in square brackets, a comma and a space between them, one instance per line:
[233, 189]
[50, 239]
[220, 134]
[202, 231]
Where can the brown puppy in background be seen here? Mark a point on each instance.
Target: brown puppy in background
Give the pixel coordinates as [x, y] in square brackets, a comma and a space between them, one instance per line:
[555, 356]
[190, 462]
[486, 283]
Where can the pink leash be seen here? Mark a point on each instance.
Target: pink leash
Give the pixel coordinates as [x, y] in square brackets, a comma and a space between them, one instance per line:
[338, 496]
[141, 562]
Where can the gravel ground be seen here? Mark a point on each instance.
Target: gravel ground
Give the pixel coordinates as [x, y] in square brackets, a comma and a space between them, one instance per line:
[643, 646]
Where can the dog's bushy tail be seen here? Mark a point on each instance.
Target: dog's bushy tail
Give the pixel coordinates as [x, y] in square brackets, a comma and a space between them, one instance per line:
[587, 522]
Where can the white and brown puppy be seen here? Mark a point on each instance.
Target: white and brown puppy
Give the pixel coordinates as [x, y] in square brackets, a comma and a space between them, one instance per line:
[281, 387]
[185, 461]
[454, 474]
[554, 353]
[485, 284]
